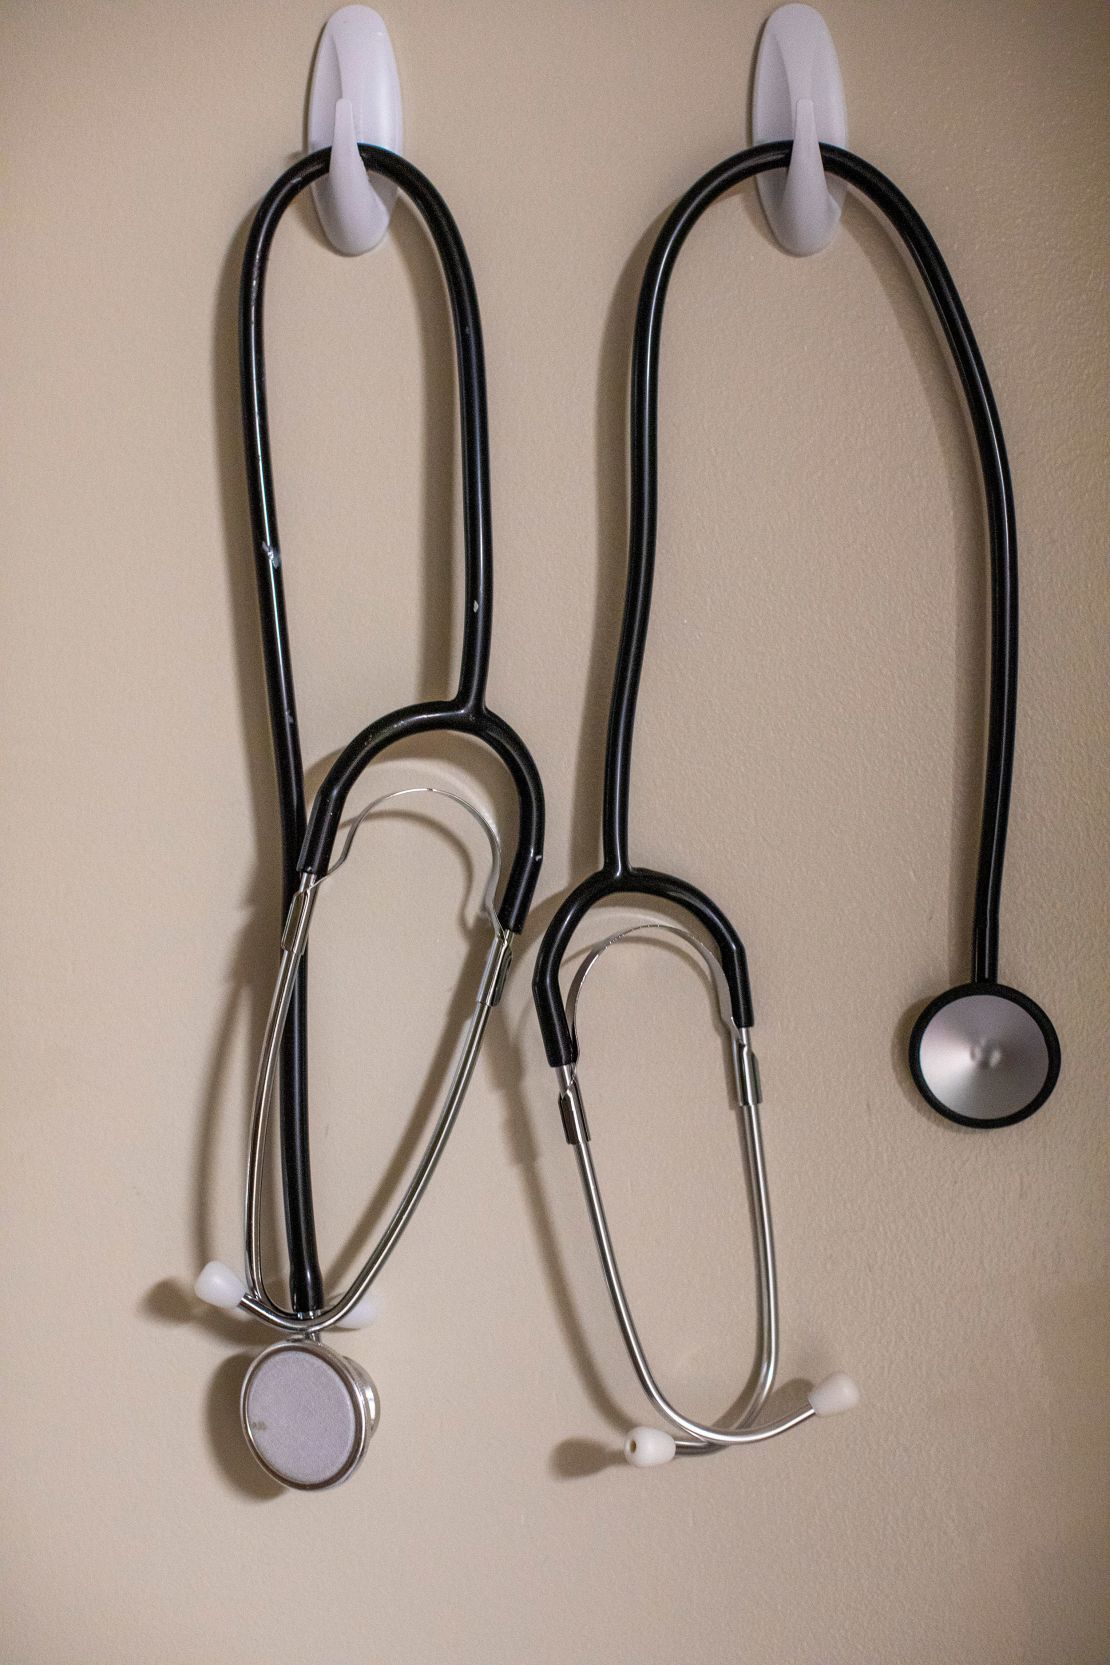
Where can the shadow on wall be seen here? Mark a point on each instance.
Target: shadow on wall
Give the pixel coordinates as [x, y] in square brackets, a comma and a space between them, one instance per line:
[917, 322]
[915, 319]
[225, 1433]
[961, 487]
[172, 1302]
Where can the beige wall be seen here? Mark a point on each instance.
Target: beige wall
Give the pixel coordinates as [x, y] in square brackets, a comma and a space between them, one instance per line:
[820, 598]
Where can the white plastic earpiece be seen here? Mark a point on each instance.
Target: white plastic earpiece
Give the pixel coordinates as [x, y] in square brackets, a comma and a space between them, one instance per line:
[835, 1393]
[362, 1314]
[648, 1447]
[219, 1285]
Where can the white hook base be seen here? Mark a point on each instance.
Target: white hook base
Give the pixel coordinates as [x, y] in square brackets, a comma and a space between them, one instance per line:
[798, 94]
[355, 99]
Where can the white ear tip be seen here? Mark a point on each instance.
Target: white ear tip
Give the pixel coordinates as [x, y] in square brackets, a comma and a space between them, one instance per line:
[835, 1393]
[363, 1313]
[648, 1447]
[219, 1285]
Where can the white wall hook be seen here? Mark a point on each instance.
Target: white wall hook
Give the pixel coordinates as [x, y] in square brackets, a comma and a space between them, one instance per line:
[798, 94]
[355, 99]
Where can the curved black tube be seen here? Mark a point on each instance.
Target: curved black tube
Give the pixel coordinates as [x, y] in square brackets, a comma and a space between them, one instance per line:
[616, 872]
[309, 849]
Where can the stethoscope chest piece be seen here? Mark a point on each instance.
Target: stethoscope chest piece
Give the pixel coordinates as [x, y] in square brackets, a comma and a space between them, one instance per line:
[984, 1055]
[308, 1414]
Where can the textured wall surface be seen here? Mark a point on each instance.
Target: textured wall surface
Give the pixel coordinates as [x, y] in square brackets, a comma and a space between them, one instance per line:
[809, 750]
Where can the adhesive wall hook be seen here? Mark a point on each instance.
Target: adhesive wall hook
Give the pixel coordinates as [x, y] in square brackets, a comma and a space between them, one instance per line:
[798, 94]
[355, 99]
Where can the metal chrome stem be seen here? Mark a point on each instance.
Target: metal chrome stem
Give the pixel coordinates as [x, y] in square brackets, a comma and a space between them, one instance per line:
[257, 1299]
[293, 940]
[703, 1438]
[745, 1070]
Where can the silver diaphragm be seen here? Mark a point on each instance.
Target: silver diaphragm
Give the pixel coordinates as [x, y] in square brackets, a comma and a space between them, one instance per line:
[308, 1414]
[984, 1055]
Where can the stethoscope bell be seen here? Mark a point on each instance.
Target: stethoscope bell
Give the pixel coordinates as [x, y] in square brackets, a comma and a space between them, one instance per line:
[308, 1414]
[984, 1055]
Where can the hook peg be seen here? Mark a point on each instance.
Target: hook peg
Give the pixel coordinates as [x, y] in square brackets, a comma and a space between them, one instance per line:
[355, 99]
[798, 95]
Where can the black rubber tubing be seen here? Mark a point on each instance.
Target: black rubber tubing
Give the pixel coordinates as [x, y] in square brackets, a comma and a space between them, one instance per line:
[307, 848]
[617, 874]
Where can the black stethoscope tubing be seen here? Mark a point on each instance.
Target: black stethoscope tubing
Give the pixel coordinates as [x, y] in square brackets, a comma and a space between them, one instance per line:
[307, 843]
[617, 874]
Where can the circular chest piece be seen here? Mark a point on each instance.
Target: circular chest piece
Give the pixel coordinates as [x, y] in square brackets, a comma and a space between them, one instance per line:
[308, 1414]
[984, 1055]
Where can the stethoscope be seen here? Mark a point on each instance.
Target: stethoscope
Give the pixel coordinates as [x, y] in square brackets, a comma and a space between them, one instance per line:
[982, 1054]
[308, 1412]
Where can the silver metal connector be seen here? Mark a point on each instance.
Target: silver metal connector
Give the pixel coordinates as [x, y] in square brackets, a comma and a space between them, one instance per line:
[298, 918]
[746, 1069]
[571, 1108]
[496, 969]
